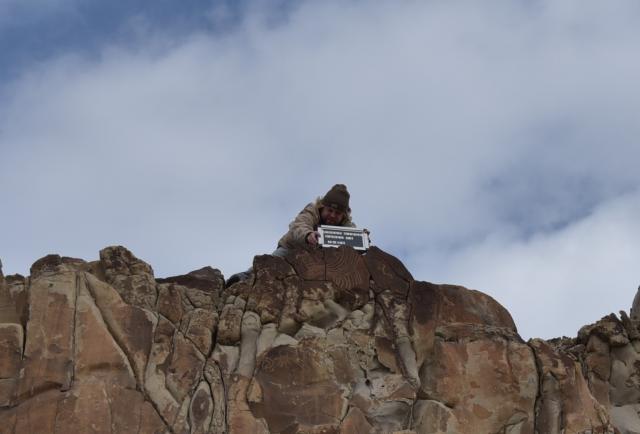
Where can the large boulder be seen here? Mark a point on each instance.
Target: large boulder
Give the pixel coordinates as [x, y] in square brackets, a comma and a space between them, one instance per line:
[322, 341]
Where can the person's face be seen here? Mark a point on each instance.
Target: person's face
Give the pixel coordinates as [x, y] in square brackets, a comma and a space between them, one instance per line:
[331, 216]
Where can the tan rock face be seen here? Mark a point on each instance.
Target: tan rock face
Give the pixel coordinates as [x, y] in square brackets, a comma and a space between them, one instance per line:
[609, 351]
[324, 341]
[565, 405]
[299, 377]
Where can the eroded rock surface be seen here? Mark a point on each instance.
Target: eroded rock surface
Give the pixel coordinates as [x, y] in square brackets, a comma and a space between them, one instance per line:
[324, 341]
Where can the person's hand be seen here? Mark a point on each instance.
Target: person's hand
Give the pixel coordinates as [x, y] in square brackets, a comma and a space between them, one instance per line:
[366, 231]
[312, 238]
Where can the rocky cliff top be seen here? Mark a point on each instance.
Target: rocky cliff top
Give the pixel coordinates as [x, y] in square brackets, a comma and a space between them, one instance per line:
[324, 341]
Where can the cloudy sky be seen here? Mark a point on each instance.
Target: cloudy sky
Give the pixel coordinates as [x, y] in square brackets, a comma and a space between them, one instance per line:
[489, 144]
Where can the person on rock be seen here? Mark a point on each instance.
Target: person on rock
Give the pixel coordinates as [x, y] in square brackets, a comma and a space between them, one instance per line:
[331, 209]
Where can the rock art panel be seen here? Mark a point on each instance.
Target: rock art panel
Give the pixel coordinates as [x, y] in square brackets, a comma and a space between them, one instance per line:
[322, 341]
[298, 389]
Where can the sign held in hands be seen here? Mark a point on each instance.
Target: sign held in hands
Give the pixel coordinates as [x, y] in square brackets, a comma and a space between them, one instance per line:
[336, 236]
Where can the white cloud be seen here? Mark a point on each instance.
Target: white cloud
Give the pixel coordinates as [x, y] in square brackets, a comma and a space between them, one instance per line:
[554, 283]
[452, 124]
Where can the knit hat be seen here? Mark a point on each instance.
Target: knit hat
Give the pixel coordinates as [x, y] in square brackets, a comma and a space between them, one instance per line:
[337, 198]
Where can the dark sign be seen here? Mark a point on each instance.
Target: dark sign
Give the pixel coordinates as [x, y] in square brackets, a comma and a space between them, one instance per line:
[336, 236]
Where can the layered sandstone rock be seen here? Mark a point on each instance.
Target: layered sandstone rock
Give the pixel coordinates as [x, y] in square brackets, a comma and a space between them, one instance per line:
[324, 341]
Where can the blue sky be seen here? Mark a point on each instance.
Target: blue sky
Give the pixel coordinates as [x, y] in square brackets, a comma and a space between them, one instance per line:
[492, 145]
[34, 31]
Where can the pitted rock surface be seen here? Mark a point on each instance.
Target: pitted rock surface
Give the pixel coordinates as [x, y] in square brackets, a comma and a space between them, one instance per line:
[323, 341]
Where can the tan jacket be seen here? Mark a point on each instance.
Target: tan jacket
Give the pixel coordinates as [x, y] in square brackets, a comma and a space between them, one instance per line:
[307, 221]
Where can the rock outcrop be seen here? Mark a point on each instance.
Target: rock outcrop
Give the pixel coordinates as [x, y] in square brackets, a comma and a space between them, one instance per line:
[324, 341]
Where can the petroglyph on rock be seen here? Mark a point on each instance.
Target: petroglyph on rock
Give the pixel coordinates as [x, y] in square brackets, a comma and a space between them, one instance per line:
[322, 341]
